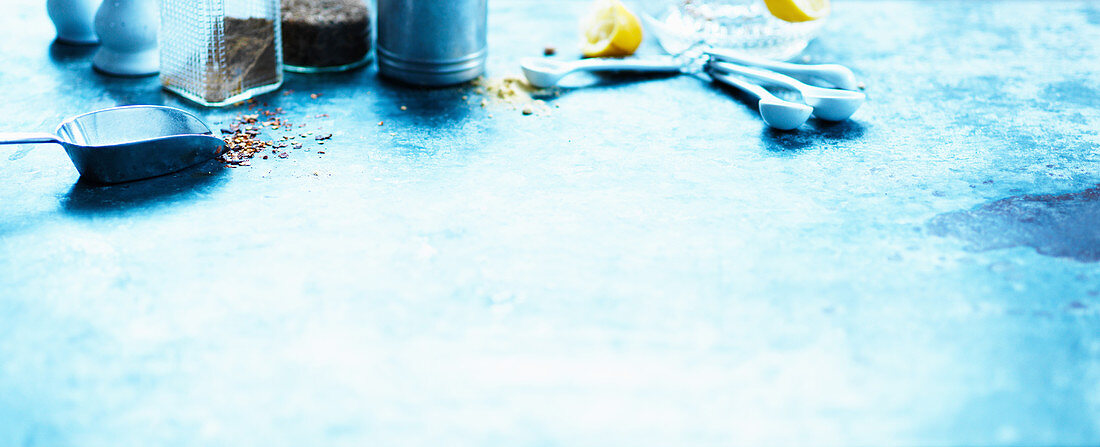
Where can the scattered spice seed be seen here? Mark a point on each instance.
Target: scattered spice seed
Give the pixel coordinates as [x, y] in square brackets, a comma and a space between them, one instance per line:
[512, 91]
[313, 95]
[549, 50]
[527, 110]
[404, 108]
[379, 123]
[243, 135]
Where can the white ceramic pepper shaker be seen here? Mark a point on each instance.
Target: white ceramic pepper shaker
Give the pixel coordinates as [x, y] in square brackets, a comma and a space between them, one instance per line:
[128, 33]
[73, 20]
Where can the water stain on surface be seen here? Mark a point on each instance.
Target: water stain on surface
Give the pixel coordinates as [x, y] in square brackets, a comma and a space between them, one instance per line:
[1065, 226]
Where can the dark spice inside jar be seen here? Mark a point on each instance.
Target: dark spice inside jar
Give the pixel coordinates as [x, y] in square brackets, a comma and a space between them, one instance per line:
[325, 33]
[249, 58]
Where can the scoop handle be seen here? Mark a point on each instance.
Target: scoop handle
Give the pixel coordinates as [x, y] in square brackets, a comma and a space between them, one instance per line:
[28, 138]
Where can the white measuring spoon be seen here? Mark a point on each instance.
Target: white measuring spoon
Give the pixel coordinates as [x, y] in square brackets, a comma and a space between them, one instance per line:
[542, 72]
[777, 113]
[828, 103]
[836, 75]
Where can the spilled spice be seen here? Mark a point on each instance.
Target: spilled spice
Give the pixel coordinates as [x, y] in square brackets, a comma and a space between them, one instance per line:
[242, 141]
[243, 137]
[514, 91]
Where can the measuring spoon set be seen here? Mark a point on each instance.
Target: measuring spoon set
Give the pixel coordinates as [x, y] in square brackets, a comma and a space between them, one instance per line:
[743, 72]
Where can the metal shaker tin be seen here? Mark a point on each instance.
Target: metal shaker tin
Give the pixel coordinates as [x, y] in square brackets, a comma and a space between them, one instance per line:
[432, 42]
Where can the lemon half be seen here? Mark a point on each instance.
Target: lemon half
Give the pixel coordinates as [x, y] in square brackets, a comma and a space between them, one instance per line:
[610, 30]
[798, 10]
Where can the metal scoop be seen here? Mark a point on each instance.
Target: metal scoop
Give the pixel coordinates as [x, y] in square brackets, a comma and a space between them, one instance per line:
[129, 143]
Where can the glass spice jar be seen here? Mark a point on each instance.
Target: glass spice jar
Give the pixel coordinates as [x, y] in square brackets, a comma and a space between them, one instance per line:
[743, 25]
[325, 35]
[220, 52]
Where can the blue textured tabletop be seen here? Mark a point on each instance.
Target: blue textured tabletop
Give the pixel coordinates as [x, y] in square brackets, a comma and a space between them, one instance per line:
[643, 263]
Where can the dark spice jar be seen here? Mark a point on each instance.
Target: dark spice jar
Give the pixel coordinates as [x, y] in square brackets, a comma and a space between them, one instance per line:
[220, 52]
[325, 35]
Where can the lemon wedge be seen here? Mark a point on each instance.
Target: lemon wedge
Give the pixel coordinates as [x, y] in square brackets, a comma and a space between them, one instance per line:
[798, 10]
[610, 30]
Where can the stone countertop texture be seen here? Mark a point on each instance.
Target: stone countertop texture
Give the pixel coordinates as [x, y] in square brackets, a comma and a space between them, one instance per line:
[643, 264]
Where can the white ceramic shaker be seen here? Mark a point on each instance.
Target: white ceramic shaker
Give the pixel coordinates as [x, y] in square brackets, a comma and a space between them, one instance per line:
[127, 30]
[73, 20]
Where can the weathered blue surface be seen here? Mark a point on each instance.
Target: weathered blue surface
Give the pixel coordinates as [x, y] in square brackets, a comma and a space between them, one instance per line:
[644, 265]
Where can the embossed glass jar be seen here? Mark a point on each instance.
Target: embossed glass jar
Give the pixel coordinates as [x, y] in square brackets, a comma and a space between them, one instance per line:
[744, 25]
[219, 52]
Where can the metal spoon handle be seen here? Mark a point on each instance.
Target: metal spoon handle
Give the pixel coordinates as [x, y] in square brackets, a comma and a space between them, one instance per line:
[758, 74]
[747, 87]
[648, 64]
[28, 138]
[841, 76]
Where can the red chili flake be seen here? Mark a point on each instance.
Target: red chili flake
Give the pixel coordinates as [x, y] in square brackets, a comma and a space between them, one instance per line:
[320, 152]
